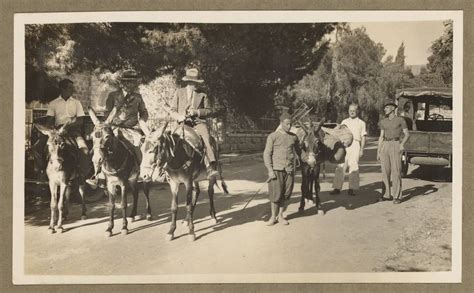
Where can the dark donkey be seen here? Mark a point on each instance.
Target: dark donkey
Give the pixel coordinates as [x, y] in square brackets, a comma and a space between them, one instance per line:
[120, 167]
[63, 159]
[180, 154]
[312, 157]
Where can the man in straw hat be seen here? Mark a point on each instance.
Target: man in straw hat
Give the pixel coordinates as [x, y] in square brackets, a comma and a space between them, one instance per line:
[353, 152]
[130, 107]
[192, 107]
[279, 159]
[393, 136]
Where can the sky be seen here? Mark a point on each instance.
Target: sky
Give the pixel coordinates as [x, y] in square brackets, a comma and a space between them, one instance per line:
[417, 36]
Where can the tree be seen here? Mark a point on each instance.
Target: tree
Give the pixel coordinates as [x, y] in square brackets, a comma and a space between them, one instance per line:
[349, 72]
[400, 58]
[441, 60]
[244, 65]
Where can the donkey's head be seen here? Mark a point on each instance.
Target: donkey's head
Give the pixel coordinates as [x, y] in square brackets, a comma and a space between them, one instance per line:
[155, 150]
[312, 143]
[57, 145]
[102, 136]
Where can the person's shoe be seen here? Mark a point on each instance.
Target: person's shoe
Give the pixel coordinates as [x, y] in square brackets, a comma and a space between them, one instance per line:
[385, 198]
[271, 222]
[335, 191]
[351, 192]
[92, 182]
[282, 219]
[397, 201]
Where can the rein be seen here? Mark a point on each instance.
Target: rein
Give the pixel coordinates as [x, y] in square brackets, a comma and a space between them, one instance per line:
[122, 167]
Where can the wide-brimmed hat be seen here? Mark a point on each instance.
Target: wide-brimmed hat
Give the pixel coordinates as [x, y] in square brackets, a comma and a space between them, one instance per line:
[131, 75]
[389, 102]
[192, 75]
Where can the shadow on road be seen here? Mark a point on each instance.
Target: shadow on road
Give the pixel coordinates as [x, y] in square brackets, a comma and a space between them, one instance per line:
[418, 190]
[367, 195]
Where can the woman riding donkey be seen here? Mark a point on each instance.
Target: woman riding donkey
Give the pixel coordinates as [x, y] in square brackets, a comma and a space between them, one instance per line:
[128, 108]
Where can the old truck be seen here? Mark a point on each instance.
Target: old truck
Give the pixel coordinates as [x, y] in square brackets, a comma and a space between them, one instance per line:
[428, 112]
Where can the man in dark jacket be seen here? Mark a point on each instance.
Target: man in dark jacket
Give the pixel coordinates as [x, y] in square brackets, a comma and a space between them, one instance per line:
[129, 108]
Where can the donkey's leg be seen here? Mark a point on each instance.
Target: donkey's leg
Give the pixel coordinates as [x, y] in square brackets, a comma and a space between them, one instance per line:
[197, 191]
[124, 190]
[133, 187]
[82, 192]
[317, 187]
[62, 191]
[53, 188]
[304, 187]
[190, 198]
[111, 191]
[174, 186]
[67, 198]
[146, 191]
[210, 192]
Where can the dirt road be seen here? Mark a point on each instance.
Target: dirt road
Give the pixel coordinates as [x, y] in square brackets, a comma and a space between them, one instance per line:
[354, 234]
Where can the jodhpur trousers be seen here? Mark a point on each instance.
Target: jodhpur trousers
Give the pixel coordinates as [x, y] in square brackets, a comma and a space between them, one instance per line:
[280, 188]
[390, 158]
[202, 130]
[351, 161]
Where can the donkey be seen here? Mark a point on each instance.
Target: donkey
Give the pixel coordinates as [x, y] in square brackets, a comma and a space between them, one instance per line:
[120, 167]
[63, 159]
[180, 154]
[313, 150]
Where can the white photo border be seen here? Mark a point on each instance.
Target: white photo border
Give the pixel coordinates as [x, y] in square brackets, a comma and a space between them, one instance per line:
[287, 16]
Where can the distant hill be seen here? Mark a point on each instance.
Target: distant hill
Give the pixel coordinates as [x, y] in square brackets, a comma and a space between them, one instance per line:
[415, 69]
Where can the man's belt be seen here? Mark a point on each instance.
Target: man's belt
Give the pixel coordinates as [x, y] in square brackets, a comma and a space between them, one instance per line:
[391, 139]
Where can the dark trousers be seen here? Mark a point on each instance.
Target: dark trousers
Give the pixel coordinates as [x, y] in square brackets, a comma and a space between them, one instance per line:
[280, 188]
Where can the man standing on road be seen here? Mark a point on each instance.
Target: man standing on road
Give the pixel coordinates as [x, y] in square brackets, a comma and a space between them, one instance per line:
[279, 159]
[393, 136]
[353, 153]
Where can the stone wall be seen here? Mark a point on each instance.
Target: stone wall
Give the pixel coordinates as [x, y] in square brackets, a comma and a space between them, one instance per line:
[242, 142]
[234, 133]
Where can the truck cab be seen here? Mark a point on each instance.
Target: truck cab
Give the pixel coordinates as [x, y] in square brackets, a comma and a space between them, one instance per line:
[428, 113]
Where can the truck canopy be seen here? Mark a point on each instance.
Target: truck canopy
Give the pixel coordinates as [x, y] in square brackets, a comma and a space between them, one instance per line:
[443, 95]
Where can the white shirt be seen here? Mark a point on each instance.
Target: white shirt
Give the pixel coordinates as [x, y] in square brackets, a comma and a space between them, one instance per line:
[63, 111]
[356, 126]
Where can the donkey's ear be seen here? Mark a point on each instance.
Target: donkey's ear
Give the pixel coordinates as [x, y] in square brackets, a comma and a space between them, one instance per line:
[43, 129]
[144, 127]
[93, 116]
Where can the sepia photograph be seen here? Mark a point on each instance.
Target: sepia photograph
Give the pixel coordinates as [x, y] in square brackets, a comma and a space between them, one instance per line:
[238, 147]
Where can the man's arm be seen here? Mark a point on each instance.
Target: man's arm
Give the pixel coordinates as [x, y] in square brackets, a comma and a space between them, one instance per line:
[109, 104]
[380, 144]
[206, 110]
[173, 111]
[267, 156]
[142, 110]
[406, 135]
[362, 139]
